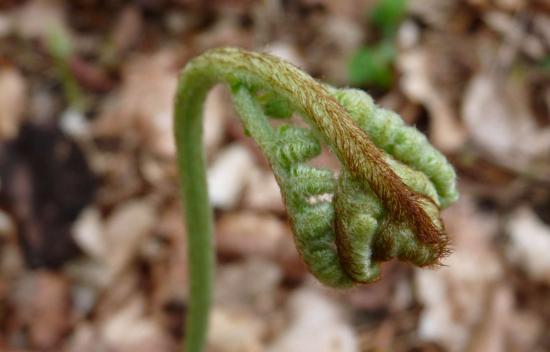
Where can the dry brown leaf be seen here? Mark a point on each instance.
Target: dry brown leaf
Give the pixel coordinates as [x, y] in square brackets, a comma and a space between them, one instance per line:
[316, 324]
[130, 330]
[235, 331]
[125, 231]
[224, 32]
[506, 327]
[88, 232]
[13, 100]
[529, 244]
[7, 226]
[248, 284]
[438, 14]
[35, 18]
[145, 103]
[43, 305]
[491, 336]
[121, 175]
[127, 29]
[11, 260]
[86, 338]
[445, 131]
[217, 109]
[248, 233]
[169, 274]
[228, 175]
[245, 301]
[454, 296]
[342, 37]
[285, 51]
[262, 192]
[497, 115]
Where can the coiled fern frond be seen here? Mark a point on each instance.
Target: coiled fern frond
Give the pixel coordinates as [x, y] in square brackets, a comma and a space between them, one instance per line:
[384, 203]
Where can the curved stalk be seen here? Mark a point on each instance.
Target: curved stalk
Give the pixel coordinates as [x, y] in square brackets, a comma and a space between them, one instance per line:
[386, 203]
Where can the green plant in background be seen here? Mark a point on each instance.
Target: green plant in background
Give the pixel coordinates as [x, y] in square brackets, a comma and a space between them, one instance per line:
[372, 65]
[387, 16]
[384, 203]
[60, 48]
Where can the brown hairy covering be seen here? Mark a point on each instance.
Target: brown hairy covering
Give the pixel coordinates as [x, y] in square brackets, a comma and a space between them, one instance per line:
[366, 162]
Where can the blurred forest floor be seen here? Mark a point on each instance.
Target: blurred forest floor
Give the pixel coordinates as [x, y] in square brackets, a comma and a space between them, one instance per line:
[92, 245]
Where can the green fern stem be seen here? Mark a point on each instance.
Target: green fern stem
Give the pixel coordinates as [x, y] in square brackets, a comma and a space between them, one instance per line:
[385, 202]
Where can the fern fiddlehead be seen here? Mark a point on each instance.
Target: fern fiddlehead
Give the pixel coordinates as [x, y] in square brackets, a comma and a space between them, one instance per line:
[385, 202]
